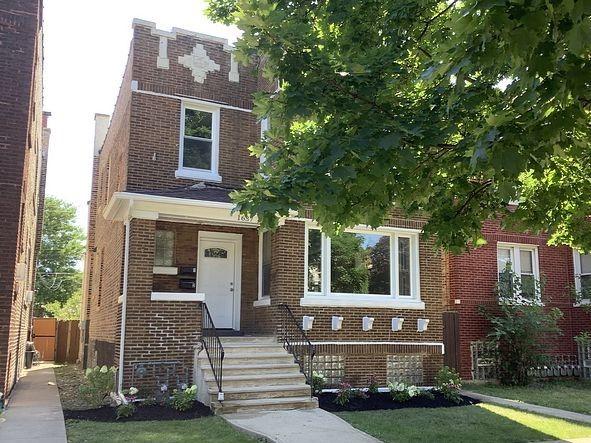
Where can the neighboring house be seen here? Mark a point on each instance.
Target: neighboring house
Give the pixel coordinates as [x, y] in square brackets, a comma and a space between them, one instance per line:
[163, 243]
[24, 140]
[473, 277]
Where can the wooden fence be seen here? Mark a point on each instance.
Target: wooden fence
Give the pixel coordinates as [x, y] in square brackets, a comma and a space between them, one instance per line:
[57, 340]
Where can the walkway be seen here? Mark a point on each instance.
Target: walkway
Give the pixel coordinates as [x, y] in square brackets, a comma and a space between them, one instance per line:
[317, 425]
[34, 412]
[552, 412]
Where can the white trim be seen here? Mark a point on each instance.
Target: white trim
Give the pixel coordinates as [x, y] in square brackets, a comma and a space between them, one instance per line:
[515, 258]
[175, 31]
[237, 240]
[177, 296]
[127, 226]
[394, 300]
[359, 302]
[195, 173]
[403, 343]
[165, 270]
[264, 301]
[578, 272]
[188, 99]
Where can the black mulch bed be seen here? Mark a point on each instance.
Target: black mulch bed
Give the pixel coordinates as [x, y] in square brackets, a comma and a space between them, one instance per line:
[142, 413]
[383, 400]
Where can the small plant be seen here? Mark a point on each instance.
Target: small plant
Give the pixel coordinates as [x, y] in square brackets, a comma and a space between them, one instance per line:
[373, 386]
[448, 382]
[183, 399]
[318, 382]
[125, 410]
[583, 338]
[402, 392]
[344, 394]
[98, 384]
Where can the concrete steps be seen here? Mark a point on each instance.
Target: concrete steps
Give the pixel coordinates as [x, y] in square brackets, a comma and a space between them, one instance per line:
[258, 374]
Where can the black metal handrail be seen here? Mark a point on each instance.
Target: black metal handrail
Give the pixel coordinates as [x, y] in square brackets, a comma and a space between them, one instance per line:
[213, 347]
[296, 342]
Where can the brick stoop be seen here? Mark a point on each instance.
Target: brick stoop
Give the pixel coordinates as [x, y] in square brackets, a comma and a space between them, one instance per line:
[258, 374]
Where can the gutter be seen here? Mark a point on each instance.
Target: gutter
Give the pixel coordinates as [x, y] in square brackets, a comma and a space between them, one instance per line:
[123, 311]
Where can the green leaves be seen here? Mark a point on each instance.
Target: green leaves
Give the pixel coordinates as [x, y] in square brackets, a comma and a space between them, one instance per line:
[449, 109]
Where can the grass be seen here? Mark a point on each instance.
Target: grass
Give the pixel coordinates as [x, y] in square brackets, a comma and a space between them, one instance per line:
[483, 423]
[205, 430]
[570, 395]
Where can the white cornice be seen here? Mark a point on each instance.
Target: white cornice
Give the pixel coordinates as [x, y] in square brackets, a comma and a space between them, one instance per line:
[176, 31]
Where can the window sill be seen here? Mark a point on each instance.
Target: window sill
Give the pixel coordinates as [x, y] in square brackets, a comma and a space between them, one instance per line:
[177, 296]
[197, 174]
[265, 301]
[342, 302]
[166, 270]
[582, 303]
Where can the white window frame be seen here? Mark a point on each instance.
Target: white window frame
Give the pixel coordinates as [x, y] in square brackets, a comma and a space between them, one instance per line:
[515, 258]
[578, 273]
[262, 300]
[393, 300]
[212, 174]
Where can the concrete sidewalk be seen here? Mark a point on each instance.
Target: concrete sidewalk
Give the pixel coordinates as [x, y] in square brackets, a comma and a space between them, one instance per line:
[552, 412]
[295, 426]
[34, 412]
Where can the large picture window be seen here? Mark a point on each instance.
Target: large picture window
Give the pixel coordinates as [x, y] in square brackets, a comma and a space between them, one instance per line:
[369, 265]
[199, 143]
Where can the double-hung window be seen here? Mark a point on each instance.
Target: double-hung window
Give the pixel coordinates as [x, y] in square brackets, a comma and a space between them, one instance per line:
[199, 142]
[518, 264]
[582, 274]
[362, 267]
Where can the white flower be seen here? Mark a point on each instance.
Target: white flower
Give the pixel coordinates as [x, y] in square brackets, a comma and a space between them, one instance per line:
[163, 388]
[133, 391]
[184, 386]
[104, 370]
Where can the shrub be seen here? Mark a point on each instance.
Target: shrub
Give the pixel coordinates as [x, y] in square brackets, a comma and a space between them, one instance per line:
[125, 410]
[98, 384]
[448, 382]
[402, 392]
[519, 325]
[344, 394]
[183, 399]
[318, 382]
[372, 383]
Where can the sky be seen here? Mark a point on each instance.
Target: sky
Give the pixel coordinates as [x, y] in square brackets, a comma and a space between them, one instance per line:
[85, 49]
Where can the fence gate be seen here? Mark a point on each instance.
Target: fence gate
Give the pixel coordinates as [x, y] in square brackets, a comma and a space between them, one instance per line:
[45, 330]
[451, 339]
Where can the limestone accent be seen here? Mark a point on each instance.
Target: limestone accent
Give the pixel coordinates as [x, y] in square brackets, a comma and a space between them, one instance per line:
[199, 63]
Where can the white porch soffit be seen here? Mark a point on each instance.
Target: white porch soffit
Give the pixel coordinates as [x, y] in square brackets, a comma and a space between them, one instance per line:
[128, 205]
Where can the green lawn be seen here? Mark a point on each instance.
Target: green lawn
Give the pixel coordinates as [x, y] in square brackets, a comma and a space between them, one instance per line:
[571, 395]
[206, 430]
[482, 423]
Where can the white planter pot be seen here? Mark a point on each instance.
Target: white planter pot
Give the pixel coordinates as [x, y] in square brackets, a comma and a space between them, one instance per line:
[337, 322]
[397, 323]
[368, 323]
[422, 324]
[307, 322]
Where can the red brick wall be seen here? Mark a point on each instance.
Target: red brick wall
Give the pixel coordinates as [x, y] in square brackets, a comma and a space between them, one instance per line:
[21, 149]
[472, 280]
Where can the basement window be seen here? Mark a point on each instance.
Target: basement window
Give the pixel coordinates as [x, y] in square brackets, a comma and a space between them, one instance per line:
[199, 142]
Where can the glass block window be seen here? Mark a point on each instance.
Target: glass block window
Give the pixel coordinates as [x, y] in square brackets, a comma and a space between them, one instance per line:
[406, 368]
[266, 264]
[331, 366]
[164, 248]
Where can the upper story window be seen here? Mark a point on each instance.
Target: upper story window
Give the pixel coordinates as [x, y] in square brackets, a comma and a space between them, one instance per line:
[164, 248]
[582, 274]
[363, 265]
[522, 262]
[199, 142]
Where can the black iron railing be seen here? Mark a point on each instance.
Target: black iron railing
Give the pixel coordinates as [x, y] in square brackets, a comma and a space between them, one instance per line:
[213, 347]
[296, 342]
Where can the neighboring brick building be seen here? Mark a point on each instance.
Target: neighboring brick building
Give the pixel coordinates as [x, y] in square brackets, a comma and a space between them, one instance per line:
[473, 276]
[23, 158]
[162, 238]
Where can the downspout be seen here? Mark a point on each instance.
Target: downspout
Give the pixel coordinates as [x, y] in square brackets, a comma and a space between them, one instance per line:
[123, 310]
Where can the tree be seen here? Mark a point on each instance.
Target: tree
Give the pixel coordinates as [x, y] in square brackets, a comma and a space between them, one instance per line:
[62, 246]
[69, 310]
[449, 108]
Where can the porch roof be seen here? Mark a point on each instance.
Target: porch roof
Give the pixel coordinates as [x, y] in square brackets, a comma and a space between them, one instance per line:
[188, 205]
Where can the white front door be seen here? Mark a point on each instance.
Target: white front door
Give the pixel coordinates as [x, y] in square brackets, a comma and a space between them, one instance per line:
[218, 277]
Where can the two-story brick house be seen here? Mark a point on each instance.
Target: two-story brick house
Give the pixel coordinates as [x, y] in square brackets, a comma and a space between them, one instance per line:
[473, 277]
[24, 139]
[163, 243]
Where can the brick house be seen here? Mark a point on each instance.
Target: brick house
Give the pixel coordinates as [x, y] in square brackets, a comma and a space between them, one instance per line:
[24, 139]
[163, 244]
[473, 276]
